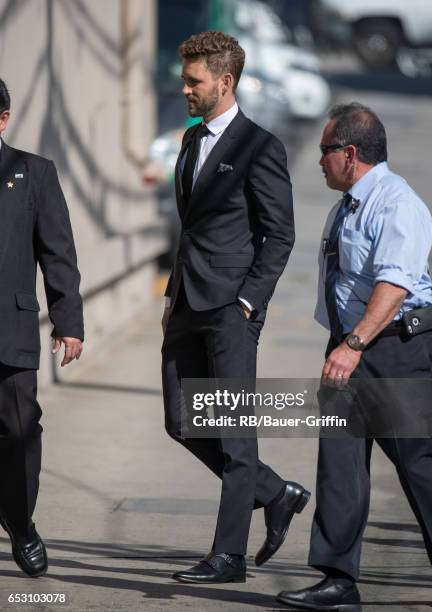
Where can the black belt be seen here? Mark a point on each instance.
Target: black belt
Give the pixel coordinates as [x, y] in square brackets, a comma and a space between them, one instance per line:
[393, 329]
[396, 328]
[414, 322]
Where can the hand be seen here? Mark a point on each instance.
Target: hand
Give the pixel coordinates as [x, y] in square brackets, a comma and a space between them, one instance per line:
[165, 318]
[340, 364]
[73, 348]
[247, 312]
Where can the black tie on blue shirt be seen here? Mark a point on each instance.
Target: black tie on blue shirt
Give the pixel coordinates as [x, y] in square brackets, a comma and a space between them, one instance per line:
[332, 271]
[191, 159]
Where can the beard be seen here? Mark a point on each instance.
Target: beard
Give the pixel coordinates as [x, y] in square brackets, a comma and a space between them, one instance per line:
[204, 107]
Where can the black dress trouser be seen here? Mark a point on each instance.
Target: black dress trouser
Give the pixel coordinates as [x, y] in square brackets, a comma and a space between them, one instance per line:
[20, 446]
[343, 476]
[218, 343]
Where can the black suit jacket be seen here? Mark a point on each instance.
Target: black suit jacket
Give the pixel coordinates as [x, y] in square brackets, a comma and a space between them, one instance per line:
[238, 226]
[34, 228]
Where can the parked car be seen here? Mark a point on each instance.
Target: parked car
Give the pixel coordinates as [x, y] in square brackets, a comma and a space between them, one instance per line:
[381, 29]
[263, 100]
[297, 73]
[270, 50]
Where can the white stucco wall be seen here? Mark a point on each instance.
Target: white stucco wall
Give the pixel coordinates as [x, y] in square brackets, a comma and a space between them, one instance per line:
[80, 75]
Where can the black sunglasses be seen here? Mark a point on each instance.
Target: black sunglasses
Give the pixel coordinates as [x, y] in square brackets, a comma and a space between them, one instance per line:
[331, 147]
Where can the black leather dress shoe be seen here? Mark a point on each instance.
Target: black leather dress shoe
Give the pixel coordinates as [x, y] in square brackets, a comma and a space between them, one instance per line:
[28, 551]
[326, 595]
[278, 515]
[215, 568]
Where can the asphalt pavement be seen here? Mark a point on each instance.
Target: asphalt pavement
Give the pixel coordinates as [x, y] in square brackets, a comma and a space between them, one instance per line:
[121, 506]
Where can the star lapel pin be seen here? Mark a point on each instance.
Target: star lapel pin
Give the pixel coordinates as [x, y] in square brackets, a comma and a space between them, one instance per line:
[10, 184]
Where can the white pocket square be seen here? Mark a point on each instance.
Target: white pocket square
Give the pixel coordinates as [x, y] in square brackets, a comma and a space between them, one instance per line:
[224, 168]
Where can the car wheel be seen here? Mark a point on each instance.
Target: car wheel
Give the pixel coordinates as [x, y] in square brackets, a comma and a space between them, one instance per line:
[377, 41]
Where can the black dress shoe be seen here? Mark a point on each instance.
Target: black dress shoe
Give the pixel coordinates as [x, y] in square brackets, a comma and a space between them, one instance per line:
[215, 568]
[278, 515]
[28, 551]
[326, 595]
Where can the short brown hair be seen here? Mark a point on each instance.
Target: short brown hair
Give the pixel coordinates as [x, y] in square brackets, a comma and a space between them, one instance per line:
[221, 52]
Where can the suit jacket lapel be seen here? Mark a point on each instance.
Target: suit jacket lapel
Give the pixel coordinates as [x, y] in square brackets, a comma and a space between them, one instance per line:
[13, 193]
[9, 159]
[211, 164]
[178, 177]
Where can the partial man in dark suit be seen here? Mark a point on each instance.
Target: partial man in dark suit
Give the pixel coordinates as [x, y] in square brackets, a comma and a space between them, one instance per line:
[34, 229]
[235, 203]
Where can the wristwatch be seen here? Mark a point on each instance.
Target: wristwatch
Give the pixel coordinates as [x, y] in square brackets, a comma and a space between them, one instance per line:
[355, 342]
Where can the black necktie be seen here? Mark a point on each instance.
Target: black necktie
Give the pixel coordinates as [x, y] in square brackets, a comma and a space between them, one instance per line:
[191, 159]
[332, 271]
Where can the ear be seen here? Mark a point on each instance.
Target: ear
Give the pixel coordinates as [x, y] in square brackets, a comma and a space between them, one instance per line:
[4, 118]
[351, 152]
[227, 81]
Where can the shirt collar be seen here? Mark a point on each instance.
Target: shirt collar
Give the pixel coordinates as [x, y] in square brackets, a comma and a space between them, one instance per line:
[364, 186]
[221, 122]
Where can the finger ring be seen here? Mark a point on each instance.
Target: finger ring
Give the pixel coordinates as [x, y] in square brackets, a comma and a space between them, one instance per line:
[339, 376]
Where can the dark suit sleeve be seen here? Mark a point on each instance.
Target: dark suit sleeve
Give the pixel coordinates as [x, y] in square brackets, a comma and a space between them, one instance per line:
[55, 252]
[271, 193]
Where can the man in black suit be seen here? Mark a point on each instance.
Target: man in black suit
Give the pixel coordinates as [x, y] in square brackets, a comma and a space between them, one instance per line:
[34, 229]
[235, 204]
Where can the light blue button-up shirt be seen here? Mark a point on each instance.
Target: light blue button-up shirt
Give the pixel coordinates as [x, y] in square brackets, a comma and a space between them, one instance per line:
[388, 238]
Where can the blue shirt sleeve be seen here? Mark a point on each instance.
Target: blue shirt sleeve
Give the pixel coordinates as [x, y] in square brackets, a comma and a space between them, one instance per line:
[401, 238]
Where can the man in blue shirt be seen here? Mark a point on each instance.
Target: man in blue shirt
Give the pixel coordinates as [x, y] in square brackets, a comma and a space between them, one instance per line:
[373, 269]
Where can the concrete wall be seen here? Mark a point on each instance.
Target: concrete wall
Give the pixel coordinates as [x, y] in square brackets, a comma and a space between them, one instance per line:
[80, 74]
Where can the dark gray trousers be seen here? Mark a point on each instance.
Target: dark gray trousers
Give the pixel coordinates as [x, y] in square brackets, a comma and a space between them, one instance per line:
[218, 343]
[20, 446]
[343, 476]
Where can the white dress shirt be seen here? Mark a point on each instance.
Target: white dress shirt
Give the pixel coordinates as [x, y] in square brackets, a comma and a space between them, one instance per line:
[216, 127]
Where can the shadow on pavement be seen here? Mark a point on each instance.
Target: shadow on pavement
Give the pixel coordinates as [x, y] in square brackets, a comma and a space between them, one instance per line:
[406, 604]
[141, 580]
[113, 551]
[94, 386]
[411, 527]
[171, 590]
[395, 542]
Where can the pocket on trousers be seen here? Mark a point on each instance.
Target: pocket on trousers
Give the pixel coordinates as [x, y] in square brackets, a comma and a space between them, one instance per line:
[238, 307]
